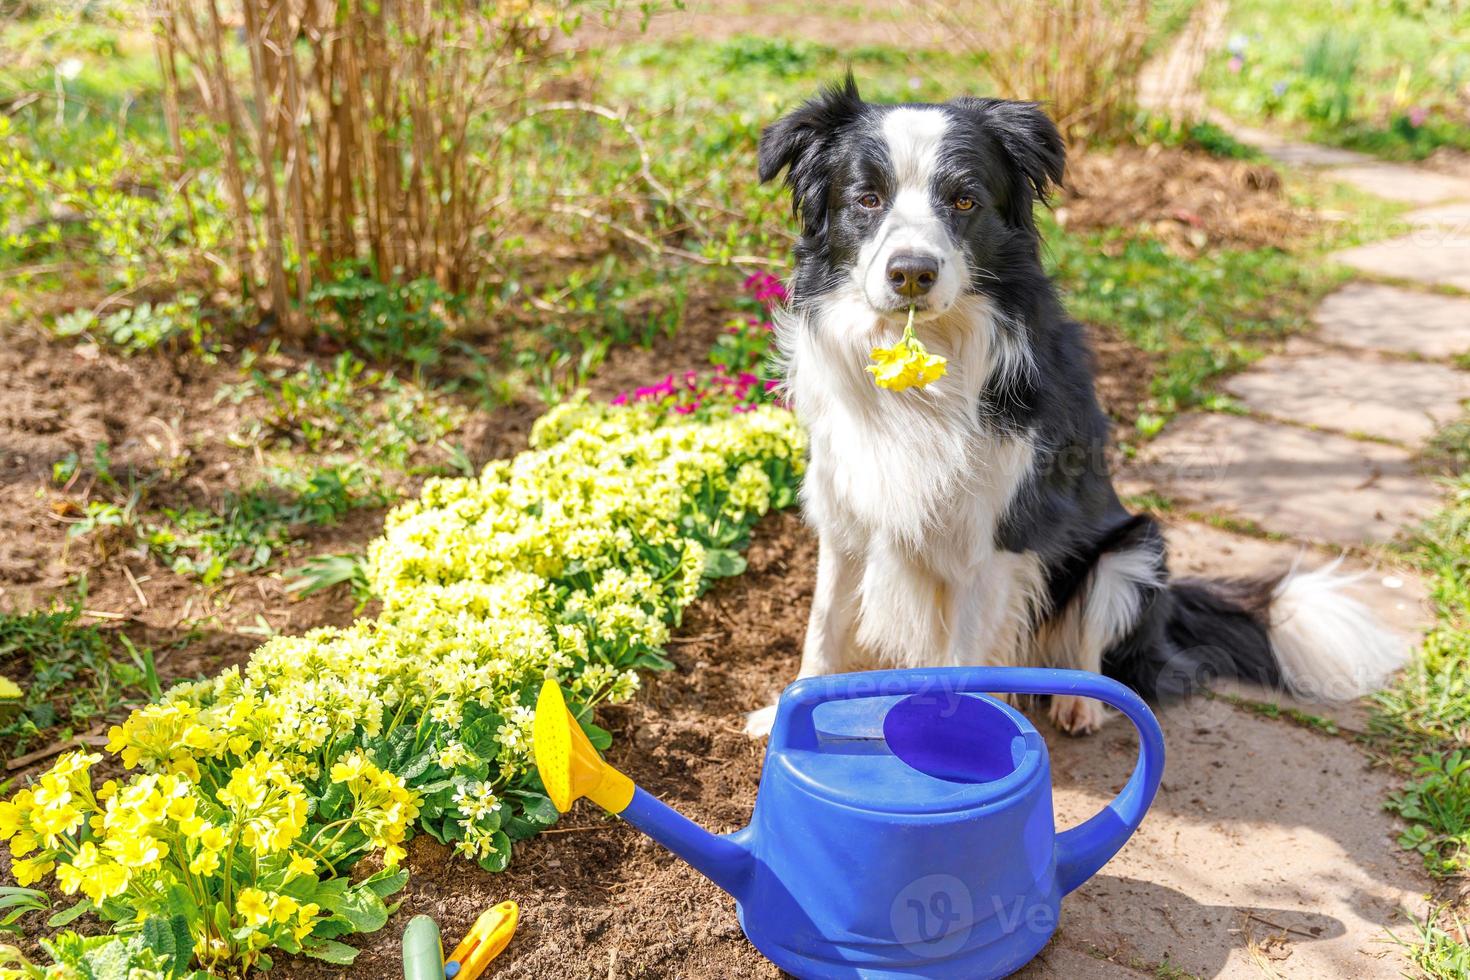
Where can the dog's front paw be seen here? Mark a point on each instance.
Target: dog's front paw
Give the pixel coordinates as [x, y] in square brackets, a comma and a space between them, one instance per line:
[758, 723]
[1077, 716]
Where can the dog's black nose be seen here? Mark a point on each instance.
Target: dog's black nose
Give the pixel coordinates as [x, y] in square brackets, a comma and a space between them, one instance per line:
[911, 275]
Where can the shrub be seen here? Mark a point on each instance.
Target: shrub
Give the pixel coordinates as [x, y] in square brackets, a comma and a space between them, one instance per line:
[570, 561]
[1081, 58]
[364, 133]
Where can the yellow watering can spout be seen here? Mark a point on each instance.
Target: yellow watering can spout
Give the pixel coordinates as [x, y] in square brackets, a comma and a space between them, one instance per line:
[570, 767]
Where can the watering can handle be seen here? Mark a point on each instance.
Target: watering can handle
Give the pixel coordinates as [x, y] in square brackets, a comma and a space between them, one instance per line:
[1085, 848]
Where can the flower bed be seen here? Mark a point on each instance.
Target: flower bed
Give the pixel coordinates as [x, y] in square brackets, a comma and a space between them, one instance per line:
[255, 791]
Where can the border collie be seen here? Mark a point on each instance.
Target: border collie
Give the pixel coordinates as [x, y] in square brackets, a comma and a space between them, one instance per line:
[974, 521]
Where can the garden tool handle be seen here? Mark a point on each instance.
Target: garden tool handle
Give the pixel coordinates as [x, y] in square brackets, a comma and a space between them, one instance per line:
[1085, 848]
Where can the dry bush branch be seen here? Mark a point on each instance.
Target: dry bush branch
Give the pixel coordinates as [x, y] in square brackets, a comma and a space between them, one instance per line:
[1080, 58]
[358, 132]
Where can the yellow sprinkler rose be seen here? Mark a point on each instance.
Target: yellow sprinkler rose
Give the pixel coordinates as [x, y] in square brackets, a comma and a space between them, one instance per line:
[907, 364]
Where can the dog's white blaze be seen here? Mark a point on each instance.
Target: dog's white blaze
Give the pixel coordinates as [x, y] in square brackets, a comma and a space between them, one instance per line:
[905, 490]
[914, 138]
[1329, 645]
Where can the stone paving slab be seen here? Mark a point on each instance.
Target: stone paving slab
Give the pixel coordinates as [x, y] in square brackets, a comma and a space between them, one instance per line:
[1398, 596]
[1289, 151]
[1267, 843]
[1404, 401]
[1401, 182]
[1375, 317]
[1315, 486]
[1438, 260]
[1455, 217]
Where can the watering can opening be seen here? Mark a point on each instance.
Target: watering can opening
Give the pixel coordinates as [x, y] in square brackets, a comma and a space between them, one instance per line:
[959, 738]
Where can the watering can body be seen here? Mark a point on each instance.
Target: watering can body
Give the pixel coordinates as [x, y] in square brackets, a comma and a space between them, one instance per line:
[904, 827]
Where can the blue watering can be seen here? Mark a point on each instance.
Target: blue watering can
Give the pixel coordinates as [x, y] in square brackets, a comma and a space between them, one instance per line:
[903, 826]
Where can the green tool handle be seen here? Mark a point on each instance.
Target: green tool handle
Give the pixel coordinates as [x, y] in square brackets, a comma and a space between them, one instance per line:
[423, 953]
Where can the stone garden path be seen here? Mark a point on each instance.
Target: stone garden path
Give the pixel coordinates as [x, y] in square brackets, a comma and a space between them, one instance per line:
[1268, 853]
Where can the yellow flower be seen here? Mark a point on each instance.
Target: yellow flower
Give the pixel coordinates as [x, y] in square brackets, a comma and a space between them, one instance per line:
[393, 855]
[299, 865]
[93, 874]
[283, 907]
[23, 843]
[213, 839]
[305, 920]
[9, 690]
[30, 872]
[253, 906]
[205, 863]
[139, 853]
[907, 364]
[10, 820]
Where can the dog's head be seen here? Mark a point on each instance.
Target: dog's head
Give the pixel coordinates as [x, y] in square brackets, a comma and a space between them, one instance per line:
[912, 205]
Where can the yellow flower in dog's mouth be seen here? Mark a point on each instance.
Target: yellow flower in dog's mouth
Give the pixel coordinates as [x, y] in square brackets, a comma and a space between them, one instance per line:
[907, 364]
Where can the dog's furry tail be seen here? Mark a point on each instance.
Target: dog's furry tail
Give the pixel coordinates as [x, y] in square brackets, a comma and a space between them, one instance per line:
[1297, 631]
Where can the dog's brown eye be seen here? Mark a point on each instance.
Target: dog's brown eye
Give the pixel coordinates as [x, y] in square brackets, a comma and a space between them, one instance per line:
[964, 203]
[870, 201]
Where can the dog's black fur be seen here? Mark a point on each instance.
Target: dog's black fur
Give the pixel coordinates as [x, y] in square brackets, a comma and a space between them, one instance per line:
[1009, 158]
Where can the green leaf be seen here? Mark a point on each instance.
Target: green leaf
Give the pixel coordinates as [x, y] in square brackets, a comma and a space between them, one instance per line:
[330, 894]
[178, 901]
[69, 914]
[157, 936]
[497, 859]
[109, 961]
[334, 802]
[722, 563]
[537, 808]
[364, 910]
[332, 952]
[386, 882]
[416, 766]
[30, 897]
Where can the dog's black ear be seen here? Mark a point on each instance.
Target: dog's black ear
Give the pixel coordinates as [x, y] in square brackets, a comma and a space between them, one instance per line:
[795, 144]
[1031, 141]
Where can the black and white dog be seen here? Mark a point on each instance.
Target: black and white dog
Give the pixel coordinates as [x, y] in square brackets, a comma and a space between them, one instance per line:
[974, 521]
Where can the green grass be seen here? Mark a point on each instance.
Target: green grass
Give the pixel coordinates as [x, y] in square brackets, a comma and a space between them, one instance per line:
[1439, 953]
[244, 531]
[1200, 317]
[345, 409]
[1381, 76]
[1425, 720]
[76, 675]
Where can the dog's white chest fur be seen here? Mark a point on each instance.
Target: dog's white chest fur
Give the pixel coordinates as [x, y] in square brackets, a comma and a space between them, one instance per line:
[906, 490]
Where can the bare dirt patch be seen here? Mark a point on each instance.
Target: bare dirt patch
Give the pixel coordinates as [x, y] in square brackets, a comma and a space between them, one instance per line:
[1189, 199]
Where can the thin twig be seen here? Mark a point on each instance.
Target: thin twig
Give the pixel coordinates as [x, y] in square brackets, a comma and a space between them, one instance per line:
[56, 748]
[1267, 922]
[137, 590]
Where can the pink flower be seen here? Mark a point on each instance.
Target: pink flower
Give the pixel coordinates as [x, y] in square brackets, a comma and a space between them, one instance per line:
[1236, 64]
[1418, 116]
[622, 399]
[766, 288]
[687, 409]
